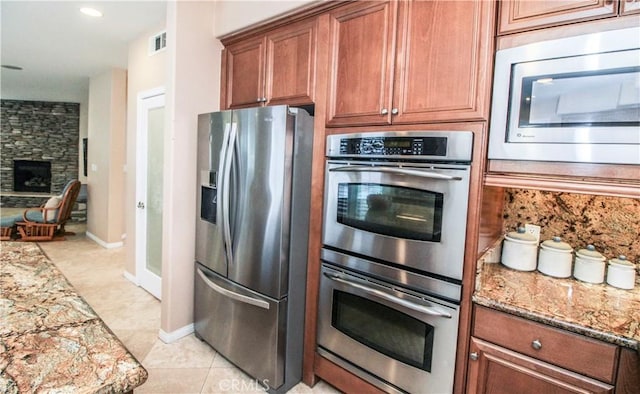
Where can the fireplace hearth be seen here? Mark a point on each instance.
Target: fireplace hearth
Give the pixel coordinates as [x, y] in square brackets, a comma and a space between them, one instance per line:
[32, 176]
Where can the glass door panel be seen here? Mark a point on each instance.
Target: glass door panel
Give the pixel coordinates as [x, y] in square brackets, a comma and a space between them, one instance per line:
[384, 329]
[391, 210]
[155, 158]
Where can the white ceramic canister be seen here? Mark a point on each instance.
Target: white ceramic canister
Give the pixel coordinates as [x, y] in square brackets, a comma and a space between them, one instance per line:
[520, 250]
[555, 258]
[589, 265]
[621, 273]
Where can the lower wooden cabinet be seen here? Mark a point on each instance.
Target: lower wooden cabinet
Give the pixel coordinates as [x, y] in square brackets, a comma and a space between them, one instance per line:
[494, 369]
[510, 354]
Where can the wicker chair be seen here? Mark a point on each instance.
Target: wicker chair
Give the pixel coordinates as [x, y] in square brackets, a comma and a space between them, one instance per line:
[46, 222]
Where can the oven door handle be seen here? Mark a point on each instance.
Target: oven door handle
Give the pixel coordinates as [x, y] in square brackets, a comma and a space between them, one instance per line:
[396, 300]
[399, 171]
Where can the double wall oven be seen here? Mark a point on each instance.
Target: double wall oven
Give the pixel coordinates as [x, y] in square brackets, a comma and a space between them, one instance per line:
[393, 251]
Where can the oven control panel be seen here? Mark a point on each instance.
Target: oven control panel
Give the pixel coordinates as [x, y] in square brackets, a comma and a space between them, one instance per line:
[392, 146]
[403, 145]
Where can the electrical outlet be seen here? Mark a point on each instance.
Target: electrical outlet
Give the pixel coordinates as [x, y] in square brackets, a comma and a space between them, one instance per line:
[533, 230]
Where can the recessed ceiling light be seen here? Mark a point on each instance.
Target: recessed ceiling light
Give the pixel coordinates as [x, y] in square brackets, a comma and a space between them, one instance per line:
[10, 67]
[91, 12]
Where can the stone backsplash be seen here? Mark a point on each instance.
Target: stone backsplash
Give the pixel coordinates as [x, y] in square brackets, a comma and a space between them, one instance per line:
[611, 224]
[39, 130]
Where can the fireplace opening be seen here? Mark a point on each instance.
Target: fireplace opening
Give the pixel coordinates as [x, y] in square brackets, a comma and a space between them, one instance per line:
[32, 176]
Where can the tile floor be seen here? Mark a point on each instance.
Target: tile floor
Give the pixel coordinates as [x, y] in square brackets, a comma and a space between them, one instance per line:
[185, 366]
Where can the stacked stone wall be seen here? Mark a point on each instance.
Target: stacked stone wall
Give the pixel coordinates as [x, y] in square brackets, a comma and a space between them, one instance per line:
[38, 130]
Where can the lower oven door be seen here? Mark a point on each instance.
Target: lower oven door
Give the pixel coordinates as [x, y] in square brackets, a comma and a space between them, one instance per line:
[399, 213]
[404, 339]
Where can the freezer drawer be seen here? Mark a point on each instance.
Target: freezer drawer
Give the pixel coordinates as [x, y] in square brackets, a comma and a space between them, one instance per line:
[245, 327]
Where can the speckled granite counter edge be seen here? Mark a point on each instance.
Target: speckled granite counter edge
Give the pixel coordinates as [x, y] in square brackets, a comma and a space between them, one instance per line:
[492, 256]
[575, 328]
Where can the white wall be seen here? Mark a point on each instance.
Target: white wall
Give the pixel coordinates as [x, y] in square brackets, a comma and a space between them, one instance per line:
[193, 88]
[145, 72]
[232, 15]
[106, 133]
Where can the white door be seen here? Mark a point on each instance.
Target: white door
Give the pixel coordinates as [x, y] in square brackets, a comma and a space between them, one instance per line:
[149, 175]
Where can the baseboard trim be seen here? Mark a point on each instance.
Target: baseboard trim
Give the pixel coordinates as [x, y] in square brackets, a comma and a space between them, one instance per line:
[170, 337]
[131, 278]
[106, 245]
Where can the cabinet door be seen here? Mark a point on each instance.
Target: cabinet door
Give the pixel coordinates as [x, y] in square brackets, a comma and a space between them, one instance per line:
[493, 369]
[361, 63]
[243, 73]
[291, 59]
[444, 60]
[628, 7]
[520, 15]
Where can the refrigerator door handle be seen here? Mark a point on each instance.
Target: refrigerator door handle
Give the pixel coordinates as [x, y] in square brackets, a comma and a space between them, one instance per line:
[226, 226]
[231, 294]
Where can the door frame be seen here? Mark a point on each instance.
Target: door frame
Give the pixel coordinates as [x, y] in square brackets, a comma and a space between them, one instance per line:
[144, 278]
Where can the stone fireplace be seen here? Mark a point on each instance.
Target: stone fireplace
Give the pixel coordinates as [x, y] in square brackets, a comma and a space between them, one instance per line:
[40, 147]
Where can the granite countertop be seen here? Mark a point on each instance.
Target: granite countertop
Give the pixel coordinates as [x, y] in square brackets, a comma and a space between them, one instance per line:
[595, 310]
[50, 338]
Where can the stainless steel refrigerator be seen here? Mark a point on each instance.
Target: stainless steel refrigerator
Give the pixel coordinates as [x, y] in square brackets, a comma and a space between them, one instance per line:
[253, 192]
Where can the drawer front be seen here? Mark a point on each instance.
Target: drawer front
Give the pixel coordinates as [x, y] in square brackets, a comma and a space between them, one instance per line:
[584, 355]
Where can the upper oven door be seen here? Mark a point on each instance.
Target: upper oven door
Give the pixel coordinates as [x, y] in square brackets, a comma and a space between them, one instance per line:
[409, 214]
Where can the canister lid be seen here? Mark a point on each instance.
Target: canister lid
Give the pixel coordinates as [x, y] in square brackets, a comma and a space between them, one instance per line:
[520, 235]
[622, 261]
[556, 244]
[590, 252]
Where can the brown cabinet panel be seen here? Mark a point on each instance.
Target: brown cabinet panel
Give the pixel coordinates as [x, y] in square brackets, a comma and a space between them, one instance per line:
[362, 41]
[443, 60]
[493, 369]
[244, 73]
[521, 15]
[575, 352]
[628, 380]
[410, 62]
[291, 61]
[275, 68]
[629, 7]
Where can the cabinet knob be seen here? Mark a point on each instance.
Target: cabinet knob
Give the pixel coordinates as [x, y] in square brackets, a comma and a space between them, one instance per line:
[259, 100]
[474, 356]
[394, 111]
[264, 99]
[536, 344]
[384, 111]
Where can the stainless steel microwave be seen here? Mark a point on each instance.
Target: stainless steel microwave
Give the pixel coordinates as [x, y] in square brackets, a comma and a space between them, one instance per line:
[574, 99]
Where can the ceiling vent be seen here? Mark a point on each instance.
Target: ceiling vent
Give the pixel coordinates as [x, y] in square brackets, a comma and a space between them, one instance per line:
[157, 42]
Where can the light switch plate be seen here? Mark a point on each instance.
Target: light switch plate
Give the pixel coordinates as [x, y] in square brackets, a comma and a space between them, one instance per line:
[533, 230]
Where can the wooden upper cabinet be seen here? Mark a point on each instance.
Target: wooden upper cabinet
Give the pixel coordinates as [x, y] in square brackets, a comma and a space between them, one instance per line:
[276, 68]
[410, 62]
[521, 15]
[291, 62]
[629, 7]
[361, 62]
[444, 61]
[243, 73]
